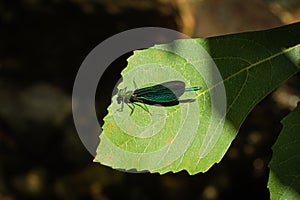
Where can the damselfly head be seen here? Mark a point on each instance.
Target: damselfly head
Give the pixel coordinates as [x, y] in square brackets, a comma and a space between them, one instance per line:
[119, 99]
[121, 95]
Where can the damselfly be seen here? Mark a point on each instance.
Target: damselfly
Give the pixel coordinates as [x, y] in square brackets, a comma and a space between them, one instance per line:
[165, 94]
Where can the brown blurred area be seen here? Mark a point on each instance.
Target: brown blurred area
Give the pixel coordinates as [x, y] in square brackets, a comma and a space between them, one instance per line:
[42, 45]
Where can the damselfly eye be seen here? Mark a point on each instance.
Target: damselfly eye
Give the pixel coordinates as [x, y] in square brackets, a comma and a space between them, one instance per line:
[119, 99]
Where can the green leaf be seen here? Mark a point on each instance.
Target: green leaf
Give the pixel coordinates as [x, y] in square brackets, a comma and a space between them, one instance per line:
[235, 72]
[284, 179]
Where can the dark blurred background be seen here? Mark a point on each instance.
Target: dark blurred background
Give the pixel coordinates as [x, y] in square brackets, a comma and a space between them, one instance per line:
[42, 45]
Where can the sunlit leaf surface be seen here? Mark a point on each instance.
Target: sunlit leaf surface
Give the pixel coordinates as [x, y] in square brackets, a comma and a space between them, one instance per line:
[235, 73]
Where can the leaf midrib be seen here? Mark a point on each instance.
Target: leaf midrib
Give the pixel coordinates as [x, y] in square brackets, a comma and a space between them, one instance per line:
[248, 68]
